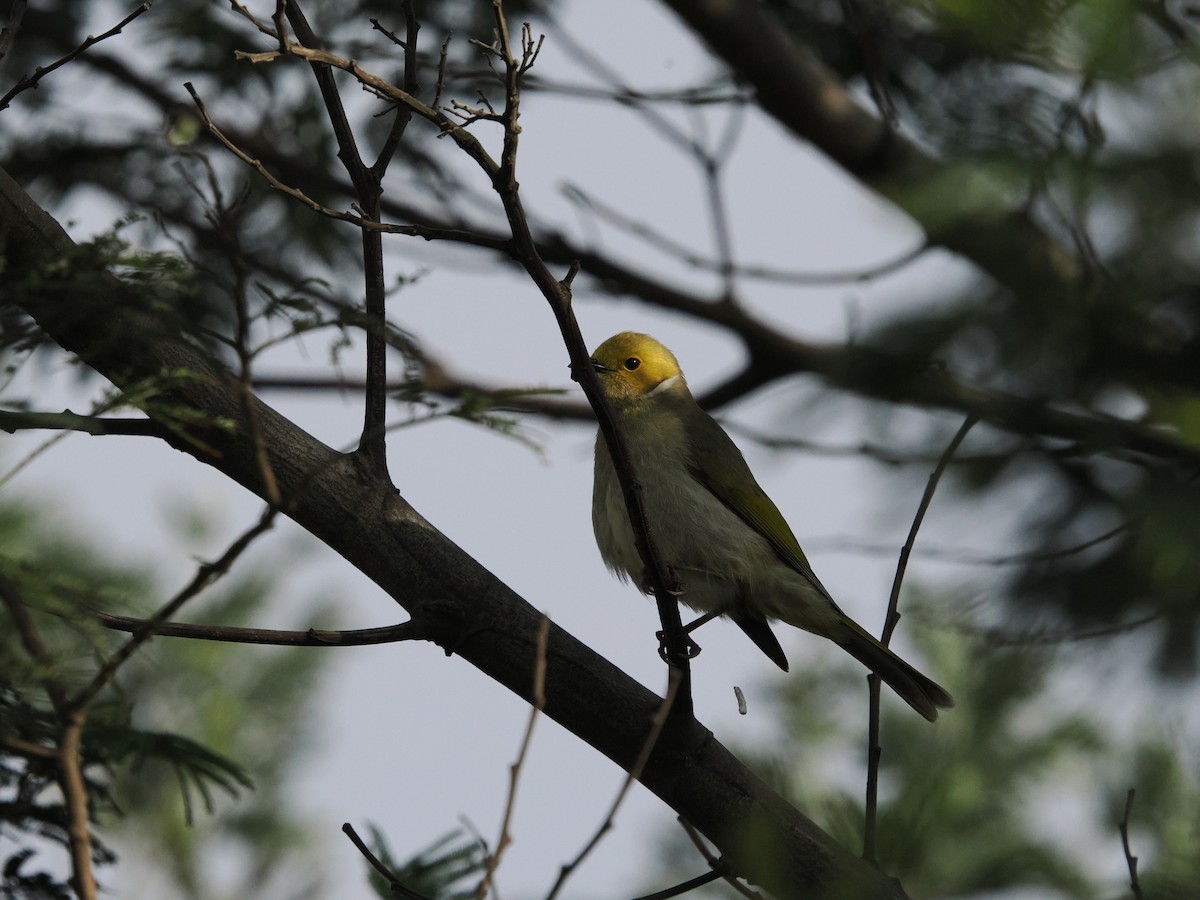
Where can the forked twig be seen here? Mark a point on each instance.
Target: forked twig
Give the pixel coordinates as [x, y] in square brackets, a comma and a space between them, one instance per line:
[889, 626]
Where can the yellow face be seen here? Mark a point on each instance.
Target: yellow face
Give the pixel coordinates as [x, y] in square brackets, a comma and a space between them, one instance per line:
[632, 366]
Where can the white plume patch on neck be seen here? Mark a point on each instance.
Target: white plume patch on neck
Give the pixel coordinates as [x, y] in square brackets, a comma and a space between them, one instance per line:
[664, 385]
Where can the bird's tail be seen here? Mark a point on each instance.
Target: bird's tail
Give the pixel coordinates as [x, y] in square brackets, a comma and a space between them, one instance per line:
[919, 692]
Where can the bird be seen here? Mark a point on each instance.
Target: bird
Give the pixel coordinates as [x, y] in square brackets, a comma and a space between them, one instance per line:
[718, 531]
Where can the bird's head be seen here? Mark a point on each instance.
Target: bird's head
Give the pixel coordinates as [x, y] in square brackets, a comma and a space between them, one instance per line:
[636, 367]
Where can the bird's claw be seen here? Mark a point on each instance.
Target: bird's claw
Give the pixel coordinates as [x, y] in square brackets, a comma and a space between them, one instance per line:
[691, 648]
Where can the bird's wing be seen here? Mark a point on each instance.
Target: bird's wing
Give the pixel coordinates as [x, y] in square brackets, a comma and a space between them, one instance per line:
[718, 464]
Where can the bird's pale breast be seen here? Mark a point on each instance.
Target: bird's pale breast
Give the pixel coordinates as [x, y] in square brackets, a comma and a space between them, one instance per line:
[713, 552]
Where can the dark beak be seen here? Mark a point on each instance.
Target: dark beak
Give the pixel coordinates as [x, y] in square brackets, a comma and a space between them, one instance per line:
[599, 367]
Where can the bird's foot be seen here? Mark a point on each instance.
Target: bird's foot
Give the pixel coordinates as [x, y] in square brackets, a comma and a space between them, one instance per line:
[690, 647]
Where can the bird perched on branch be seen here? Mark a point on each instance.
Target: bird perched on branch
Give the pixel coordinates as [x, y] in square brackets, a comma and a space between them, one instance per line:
[714, 526]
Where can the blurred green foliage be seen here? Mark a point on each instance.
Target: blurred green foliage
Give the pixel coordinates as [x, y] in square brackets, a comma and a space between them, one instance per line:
[1000, 798]
[151, 763]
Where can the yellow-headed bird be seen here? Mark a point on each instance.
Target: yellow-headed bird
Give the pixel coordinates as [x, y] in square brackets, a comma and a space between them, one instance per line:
[715, 527]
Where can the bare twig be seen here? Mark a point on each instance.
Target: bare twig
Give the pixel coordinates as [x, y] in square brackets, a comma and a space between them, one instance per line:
[31, 81]
[277, 184]
[245, 352]
[717, 865]
[441, 72]
[397, 887]
[13, 421]
[1130, 860]
[269, 30]
[312, 637]
[19, 747]
[892, 619]
[279, 18]
[67, 422]
[656, 727]
[1000, 637]
[514, 772]
[893, 614]
[709, 161]
[205, 576]
[649, 235]
[684, 887]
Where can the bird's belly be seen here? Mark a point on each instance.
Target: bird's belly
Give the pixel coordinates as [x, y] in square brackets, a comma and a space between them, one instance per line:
[718, 557]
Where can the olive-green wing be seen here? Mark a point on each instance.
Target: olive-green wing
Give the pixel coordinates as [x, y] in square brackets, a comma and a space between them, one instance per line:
[718, 464]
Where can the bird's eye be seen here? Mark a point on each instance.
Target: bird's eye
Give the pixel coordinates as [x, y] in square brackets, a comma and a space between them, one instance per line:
[632, 363]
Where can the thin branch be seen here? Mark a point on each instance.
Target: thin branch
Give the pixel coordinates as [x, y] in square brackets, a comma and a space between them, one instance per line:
[205, 576]
[514, 774]
[31, 639]
[718, 865]
[874, 751]
[684, 887]
[1000, 637]
[402, 115]
[893, 613]
[32, 455]
[359, 220]
[31, 81]
[312, 637]
[69, 771]
[975, 558]
[19, 747]
[657, 724]
[397, 887]
[75, 795]
[277, 184]
[13, 421]
[269, 30]
[245, 353]
[684, 254]
[1130, 860]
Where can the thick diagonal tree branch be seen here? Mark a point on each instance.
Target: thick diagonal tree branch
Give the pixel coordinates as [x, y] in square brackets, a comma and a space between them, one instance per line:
[465, 608]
